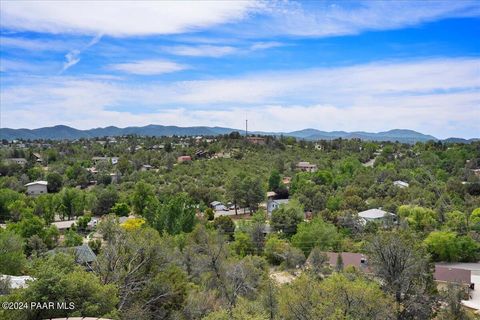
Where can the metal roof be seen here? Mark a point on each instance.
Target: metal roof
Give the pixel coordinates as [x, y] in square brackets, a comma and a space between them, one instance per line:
[374, 214]
[41, 182]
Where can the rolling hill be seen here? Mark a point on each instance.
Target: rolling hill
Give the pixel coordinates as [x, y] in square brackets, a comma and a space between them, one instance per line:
[61, 132]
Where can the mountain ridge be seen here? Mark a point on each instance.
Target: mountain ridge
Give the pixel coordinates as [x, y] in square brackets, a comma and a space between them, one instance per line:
[63, 132]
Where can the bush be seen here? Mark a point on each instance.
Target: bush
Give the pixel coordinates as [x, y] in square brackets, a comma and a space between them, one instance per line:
[224, 224]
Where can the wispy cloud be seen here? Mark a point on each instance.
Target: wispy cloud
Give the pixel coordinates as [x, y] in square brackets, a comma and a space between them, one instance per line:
[266, 45]
[325, 19]
[20, 66]
[73, 56]
[200, 50]
[148, 67]
[34, 44]
[216, 51]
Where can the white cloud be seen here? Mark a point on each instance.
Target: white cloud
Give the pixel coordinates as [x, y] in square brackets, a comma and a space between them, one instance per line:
[200, 50]
[439, 97]
[73, 56]
[216, 51]
[148, 67]
[266, 45]
[248, 18]
[345, 18]
[33, 45]
[121, 18]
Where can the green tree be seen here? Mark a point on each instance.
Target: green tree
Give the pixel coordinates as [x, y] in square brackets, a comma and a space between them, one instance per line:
[475, 219]
[72, 202]
[28, 226]
[121, 209]
[402, 266]
[418, 218]
[176, 215]
[7, 197]
[234, 190]
[209, 214]
[224, 224]
[12, 258]
[144, 267]
[447, 246]
[337, 297]
[274, 180]
[242, 245]
[287, 216]
[457, 221]
[143, 197]
[106, 199]
[275, 249]
[316, 233]
[55, 182]
[73, 239]
[58, 279]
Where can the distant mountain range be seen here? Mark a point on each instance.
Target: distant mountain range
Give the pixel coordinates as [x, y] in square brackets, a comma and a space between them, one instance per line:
[61, 132]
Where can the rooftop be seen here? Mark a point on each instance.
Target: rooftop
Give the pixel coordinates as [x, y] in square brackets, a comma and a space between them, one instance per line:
[40, 182]
[374, 214]
[455, 275]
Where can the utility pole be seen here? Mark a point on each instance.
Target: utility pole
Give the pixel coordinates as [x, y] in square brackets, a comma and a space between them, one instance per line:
[246, 128]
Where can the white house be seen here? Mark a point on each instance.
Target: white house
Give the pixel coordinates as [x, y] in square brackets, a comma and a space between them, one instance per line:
[19, 161]
[218, 206]
[306, 166]
[401, 184]
[273, 204]
[112, 160]
[375, 215]
[36, 188]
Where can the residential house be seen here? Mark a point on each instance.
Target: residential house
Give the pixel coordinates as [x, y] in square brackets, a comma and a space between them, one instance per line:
[306, 166]
[445, 275]
[84, 255]
[257, 140]
[377, 215]
[92, 223]
[64, 225]
[357, 260]
[112, 160]
[97, 160]
[184, 159]
[273, 204]
[38, 157]
[201, 154]
[218, 206]
[19, 161]
[146, 167]
[401, 184]
[37, 188]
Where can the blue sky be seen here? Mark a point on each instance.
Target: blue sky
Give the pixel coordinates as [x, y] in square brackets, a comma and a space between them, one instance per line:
[331, 65]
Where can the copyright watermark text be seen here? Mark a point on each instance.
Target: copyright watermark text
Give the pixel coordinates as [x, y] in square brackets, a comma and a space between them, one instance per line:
[34, 305]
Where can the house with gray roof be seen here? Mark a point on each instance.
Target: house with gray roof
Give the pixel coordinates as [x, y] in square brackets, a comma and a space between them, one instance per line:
[376, 215]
